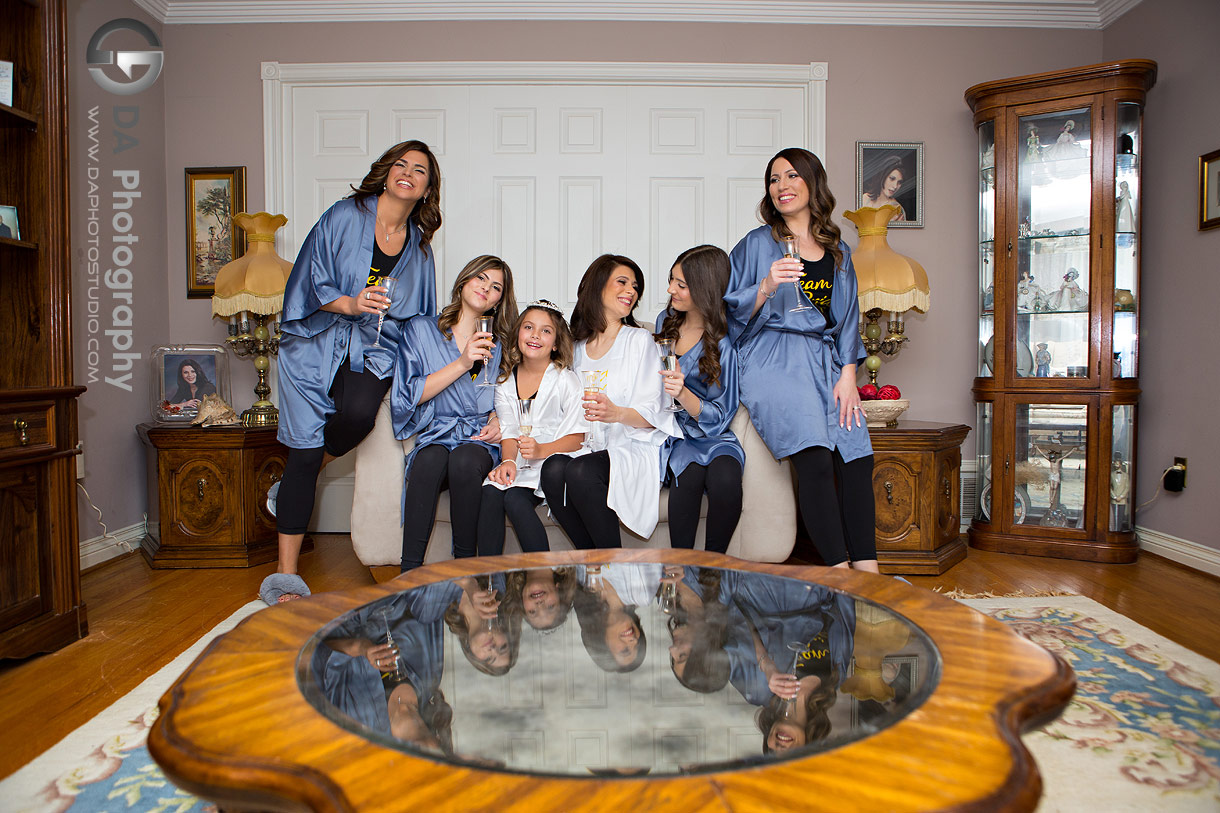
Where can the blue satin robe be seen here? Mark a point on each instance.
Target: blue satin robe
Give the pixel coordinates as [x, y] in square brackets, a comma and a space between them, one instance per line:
[783, 610]
[790, 362]
[456, 412]
[708, 435]
[335, 261]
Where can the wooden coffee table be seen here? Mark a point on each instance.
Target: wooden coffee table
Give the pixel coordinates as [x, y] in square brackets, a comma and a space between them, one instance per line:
[236, 728]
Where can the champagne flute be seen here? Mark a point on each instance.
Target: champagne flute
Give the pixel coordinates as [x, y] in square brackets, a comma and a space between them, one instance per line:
[669, 361]
[595, 382]
[792, 250]
[798, 649]
[389, 639]
[388, 284]
[525, 407]
[484, 324]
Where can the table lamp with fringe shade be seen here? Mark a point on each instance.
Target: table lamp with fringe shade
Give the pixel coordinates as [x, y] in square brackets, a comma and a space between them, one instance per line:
[888, 282]
[253, 284]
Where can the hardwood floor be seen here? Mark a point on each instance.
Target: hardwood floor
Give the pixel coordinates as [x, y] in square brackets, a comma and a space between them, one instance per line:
[140, 619]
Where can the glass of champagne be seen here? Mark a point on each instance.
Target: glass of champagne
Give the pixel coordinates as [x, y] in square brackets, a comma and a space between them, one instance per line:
[669, 361]
[595, 382]
[484, 324]
[525, 408]
[792, 250]
[388, 284]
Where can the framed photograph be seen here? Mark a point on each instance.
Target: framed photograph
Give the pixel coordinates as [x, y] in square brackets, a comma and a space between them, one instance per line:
[182, 375]
[213, 196]
[8, 222]
[1209, 190]
[901, 674]
[888, 173]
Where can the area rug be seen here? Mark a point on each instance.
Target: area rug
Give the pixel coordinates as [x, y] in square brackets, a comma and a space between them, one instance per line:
[1142, 733]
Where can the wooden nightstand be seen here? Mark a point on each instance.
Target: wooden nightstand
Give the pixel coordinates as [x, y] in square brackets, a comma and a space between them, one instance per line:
[917, 487]
[207, 495]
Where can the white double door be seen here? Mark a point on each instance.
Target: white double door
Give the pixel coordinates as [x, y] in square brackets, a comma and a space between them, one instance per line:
[548, 178]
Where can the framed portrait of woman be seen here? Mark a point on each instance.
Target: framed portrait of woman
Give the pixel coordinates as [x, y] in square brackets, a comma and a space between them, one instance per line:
[891, 174]
[183, 375]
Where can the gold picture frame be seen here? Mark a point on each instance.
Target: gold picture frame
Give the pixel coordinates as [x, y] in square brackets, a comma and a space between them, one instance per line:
[1209, 190]
[213, 196]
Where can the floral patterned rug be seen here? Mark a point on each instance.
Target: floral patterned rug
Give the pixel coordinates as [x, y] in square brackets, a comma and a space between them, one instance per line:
[1142, 733]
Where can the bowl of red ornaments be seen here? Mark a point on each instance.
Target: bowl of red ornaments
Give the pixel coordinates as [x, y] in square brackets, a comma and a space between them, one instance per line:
[882, 405]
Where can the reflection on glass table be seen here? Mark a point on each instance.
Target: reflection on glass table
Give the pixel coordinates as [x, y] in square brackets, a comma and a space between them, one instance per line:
[742, 668]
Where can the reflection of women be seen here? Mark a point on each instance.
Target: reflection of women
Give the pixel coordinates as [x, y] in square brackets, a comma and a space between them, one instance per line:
[698, 629]
[619, 480]
[193, 384]
[880, 189]
[489, 635]
[798, 369]
[332, 380]
[769, 615]
[606, 605]
[541, 596]
[708, 458]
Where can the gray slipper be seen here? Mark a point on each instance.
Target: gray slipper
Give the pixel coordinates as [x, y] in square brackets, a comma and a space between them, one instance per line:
[282, 584]
[273, 494]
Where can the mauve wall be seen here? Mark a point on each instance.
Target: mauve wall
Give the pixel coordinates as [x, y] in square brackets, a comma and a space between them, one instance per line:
[902, 84]
[1181, 265]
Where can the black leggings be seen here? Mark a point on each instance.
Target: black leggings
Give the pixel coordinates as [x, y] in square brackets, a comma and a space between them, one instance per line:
[357, 397]
[721, 479]
[433, 469]
[843, 526]
[577, 490]
[519, 504]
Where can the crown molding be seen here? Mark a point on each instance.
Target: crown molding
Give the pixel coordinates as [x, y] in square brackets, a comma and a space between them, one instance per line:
[1083, 14]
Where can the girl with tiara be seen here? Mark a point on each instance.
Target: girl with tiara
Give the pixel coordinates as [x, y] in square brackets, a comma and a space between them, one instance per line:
[538, 401]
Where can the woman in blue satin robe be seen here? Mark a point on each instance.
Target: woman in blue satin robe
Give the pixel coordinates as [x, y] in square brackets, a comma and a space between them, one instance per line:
[438, 396]
[798, 367]
[708, 458]
[332, 380]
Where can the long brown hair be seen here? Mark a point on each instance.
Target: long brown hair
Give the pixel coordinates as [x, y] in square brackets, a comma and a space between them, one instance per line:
[505, 311]
[589, 315]
[426, 214]
[561, 354]
[706, 269]
[821, 202]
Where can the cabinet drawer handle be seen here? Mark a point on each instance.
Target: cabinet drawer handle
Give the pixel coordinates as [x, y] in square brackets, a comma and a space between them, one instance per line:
[201, 483]
[23, 435]
[889, 492]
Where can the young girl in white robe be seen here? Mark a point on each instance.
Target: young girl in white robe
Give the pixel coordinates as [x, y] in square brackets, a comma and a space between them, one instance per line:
[620, 479]
[541, 372]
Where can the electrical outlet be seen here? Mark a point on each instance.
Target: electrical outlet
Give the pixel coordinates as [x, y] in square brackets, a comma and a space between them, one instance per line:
[1181, 461]
[80, 460]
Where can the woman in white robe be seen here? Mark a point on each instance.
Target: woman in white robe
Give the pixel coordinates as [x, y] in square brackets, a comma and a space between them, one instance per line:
[620, 479]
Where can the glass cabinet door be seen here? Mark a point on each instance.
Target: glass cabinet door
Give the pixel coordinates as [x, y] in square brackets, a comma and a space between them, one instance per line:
[987, 180]
[1051, 445]
[1125, 360]
[1122, 447]
[1054, 191]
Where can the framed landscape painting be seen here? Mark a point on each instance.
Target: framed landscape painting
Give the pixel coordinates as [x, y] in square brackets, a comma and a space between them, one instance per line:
[213, 196]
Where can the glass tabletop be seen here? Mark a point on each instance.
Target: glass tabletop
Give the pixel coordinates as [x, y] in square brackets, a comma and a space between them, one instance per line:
[623, 669]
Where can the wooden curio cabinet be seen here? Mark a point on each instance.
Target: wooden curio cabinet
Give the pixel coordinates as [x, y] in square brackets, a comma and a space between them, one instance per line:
[1059, 162]
[40, 600]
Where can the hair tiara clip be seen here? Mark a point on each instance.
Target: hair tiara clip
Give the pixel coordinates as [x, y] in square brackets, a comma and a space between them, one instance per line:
[545, 304]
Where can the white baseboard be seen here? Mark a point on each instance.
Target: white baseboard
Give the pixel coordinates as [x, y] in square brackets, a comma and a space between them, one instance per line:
[1182, 551]
[104, 548]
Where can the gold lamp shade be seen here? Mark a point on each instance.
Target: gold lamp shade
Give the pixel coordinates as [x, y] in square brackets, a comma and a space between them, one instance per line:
[254, 281]
[887, 280]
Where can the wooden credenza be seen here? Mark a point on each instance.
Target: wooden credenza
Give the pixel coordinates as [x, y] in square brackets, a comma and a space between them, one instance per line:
[917, 489]
[207, 495]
